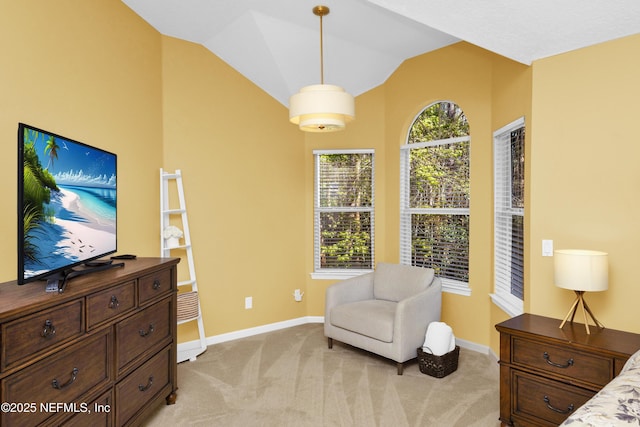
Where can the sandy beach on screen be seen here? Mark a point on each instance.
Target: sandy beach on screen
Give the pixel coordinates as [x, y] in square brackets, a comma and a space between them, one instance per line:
[82, 239]
[74, 234]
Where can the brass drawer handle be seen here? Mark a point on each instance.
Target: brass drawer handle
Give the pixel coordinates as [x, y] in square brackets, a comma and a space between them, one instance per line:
[156, 284]
[74, 375]
[560, 411]
[148, 386]
[49, 330]
[557, 365]
[114, 303]
[146, 333]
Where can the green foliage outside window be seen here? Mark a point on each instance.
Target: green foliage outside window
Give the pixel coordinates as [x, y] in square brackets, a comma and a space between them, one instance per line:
[439, 179]
[345, 210]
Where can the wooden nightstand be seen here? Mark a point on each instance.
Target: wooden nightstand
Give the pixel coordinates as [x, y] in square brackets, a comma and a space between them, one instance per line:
[547, 372]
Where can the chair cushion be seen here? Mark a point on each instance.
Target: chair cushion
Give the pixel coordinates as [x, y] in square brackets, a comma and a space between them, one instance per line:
[372, 318]
[395, 282]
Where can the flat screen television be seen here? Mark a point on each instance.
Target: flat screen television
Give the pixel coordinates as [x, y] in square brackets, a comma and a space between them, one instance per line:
[67, 205]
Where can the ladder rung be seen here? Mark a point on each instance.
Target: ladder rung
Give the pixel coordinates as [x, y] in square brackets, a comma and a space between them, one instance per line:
[178, 247]
[170, 175]
[174, 211]
[186, 282]
[180, 322]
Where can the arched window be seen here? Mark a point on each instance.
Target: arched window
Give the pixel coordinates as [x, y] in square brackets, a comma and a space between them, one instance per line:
[434, 195]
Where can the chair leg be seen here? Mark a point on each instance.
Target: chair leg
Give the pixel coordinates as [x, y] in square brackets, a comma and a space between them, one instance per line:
[400, 368]
[330, 342]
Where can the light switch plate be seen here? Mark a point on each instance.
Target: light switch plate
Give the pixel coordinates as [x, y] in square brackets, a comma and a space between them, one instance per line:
[547, 248]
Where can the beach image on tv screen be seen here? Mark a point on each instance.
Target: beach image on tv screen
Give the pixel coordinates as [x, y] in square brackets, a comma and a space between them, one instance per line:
[69, 202]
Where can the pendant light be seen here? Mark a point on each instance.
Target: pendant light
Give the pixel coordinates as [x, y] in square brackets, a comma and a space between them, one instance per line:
[321, 108]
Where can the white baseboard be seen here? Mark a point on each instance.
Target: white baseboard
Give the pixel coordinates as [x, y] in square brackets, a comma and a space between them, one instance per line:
[243, 333]
[470, 345]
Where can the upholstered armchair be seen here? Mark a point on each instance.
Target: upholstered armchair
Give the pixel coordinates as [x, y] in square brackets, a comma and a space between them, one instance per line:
[385, 312]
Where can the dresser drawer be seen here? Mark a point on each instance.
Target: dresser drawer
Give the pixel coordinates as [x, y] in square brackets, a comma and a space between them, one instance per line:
[565, 361]
[545, 399]
[99, 414]
[141, 332]
[29, 336]
[154, 285]
[108, 304]
[60, 378]
[142, 385]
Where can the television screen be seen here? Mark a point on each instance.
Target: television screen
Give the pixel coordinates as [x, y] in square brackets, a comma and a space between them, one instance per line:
[66, 204]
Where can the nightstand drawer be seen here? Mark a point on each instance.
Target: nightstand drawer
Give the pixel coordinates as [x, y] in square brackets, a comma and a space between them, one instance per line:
[564, 361]
[544, 399]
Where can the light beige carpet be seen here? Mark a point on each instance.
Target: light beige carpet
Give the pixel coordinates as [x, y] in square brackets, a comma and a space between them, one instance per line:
[290, 378]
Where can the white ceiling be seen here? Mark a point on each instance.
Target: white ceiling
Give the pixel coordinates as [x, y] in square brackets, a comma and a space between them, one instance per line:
[276, 44]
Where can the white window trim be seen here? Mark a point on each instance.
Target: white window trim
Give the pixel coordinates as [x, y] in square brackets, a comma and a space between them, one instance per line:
[340, 274]
[504, 300]
[448, 285]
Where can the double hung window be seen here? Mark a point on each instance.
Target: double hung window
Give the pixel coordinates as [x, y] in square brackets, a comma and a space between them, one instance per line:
[344, 212]
[434, 195]
[509, 182]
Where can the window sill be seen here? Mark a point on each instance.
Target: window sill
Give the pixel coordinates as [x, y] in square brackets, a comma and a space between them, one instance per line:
[449, 286]
[455, 287]
[338, 274]
[510, 307]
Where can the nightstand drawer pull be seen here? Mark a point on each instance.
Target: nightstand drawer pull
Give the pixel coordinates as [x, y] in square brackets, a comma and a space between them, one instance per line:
[557, 365]
[560, 411]
[74, 375]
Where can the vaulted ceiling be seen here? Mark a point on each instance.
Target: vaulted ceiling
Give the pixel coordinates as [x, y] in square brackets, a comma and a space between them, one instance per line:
[276, 44]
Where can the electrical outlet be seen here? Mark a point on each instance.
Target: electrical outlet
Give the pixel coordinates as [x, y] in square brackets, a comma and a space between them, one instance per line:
[248, 303]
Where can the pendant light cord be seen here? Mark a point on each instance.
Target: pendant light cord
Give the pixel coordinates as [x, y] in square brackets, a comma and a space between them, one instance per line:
[321, 54]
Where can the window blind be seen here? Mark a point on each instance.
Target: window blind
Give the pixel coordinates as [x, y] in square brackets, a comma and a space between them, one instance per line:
[434, 213]
[344, 210]
[509, 196]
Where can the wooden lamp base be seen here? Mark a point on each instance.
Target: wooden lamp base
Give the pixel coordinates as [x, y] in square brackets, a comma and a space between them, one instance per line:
[585, 309]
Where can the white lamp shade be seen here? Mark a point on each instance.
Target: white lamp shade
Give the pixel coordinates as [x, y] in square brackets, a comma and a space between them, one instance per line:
[581, 270]
[321, 108]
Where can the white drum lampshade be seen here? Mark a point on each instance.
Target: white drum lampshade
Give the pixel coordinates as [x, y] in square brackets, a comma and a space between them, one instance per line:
[581, 271]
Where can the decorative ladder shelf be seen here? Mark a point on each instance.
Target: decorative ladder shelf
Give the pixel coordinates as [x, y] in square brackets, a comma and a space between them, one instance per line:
[188, 299]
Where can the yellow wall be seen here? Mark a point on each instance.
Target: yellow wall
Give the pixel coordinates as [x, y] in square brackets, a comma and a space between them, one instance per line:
[511, 99]
[244, 182]
[90, 71]
[460, 73]
[96, 72]
[585, 177]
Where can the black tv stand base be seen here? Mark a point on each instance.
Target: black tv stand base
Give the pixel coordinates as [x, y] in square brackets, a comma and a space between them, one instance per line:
[58, 283]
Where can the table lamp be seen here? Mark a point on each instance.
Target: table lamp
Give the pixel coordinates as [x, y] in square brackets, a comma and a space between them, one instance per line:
[581, 271]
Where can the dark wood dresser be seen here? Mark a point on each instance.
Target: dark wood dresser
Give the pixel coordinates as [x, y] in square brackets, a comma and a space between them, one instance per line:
[547, 372]
[103, 353]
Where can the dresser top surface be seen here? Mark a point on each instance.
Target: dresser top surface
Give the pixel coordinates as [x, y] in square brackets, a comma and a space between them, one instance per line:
[15, 299]
[548, 328]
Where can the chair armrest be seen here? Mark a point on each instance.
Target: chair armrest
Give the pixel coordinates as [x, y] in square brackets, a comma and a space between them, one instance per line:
[414, 314]
[357, 288]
